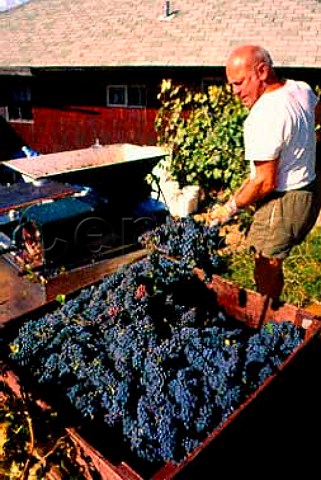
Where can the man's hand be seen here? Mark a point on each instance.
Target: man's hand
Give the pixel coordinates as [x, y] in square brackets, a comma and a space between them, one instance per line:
[221, 214]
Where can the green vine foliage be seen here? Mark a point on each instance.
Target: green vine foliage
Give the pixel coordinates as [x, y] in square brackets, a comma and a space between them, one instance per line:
[203, 133]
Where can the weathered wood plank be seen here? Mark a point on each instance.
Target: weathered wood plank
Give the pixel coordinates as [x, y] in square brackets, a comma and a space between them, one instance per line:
[20, 294]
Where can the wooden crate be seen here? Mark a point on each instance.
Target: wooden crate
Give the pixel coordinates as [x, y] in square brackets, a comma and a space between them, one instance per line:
[251, 308]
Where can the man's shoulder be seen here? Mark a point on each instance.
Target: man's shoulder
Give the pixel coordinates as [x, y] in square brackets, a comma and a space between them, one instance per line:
[301, 91]
[291, 84]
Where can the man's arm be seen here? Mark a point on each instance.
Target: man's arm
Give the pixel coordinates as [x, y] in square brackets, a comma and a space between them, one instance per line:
[251, 191]
[318, 120]
[262, 184]
[318, 137]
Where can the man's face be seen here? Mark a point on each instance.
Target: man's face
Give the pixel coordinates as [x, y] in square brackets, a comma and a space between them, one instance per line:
[245, 81]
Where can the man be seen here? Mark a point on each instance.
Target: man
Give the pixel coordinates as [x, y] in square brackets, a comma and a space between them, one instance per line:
[280, 142]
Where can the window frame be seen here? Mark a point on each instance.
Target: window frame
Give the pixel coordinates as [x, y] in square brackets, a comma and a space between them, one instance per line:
[4, 112]
[19, 100]
[126, 95]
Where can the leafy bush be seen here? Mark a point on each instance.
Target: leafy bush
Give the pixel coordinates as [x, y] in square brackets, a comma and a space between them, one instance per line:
[203, 133]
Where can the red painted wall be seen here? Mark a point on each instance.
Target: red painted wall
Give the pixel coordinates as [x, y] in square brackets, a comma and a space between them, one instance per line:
[54, 130]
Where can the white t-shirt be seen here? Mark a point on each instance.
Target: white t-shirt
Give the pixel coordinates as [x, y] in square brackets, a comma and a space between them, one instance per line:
[281, 125]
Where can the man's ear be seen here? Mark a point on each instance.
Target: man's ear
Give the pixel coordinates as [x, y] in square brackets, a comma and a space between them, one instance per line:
[262, 71]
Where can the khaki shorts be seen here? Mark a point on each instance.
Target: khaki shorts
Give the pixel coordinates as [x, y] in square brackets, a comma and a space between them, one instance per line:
[284, 220]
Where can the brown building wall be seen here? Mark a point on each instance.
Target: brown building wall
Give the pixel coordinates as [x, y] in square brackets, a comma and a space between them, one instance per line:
[54, 130]
[70, 112]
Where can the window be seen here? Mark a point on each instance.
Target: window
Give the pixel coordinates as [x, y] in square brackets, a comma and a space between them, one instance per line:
[19, 105]
[4, 112]
[126, 95]
[116, 95]
[136, 96]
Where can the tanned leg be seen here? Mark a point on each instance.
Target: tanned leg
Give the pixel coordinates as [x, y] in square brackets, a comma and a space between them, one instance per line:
[268, 275]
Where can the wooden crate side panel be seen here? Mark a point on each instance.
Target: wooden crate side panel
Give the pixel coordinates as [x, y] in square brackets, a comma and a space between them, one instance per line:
[107, 470]
[254, 309]
[20, 296]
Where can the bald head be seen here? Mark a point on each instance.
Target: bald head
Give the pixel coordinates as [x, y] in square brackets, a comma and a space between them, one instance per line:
[249, 70]
[249, 55]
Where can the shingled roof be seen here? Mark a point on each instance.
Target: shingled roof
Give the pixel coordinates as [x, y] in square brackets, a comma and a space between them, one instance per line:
[77, 33]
